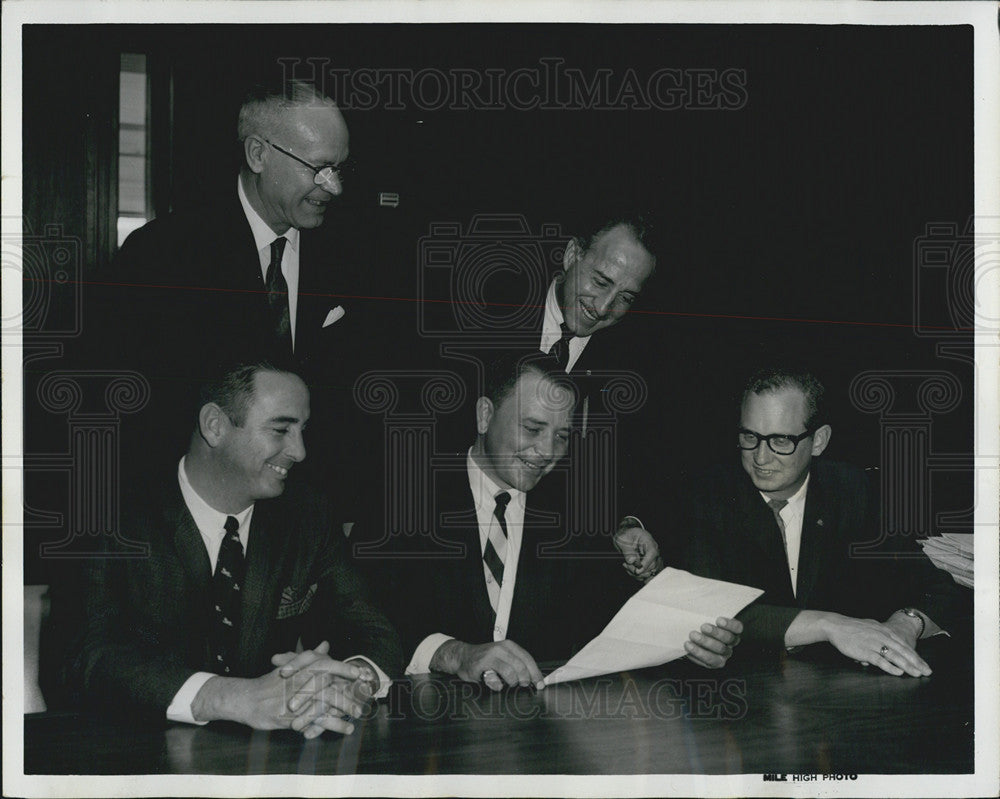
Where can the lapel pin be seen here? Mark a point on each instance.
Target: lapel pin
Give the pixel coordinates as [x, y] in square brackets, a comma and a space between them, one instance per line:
[819, 522]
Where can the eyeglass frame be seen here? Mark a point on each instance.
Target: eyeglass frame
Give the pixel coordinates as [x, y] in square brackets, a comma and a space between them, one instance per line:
[338, 170]
[795, 439]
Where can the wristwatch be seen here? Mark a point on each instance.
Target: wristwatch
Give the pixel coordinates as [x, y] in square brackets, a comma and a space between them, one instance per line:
[915, 615]
[368, 676]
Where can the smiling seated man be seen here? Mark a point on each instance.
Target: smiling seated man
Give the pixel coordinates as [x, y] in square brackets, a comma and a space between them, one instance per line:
[487, 593]
[804, 529]
[196, 630]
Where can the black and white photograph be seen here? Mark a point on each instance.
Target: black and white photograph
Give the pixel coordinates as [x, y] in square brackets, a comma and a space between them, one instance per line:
[426, 399]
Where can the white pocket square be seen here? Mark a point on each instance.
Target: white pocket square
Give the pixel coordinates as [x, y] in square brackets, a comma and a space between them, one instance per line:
[335, 315]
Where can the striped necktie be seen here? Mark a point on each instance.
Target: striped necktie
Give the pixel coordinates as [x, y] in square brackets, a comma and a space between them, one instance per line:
[495, 551]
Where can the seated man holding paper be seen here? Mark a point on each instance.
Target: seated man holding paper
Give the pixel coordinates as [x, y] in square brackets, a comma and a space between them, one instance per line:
[805, 530]
[489, 594]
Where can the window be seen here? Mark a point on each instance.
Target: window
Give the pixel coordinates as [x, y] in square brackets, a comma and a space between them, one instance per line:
[134, 195]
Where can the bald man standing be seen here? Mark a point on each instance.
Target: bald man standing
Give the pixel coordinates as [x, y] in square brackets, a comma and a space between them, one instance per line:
[245, 271]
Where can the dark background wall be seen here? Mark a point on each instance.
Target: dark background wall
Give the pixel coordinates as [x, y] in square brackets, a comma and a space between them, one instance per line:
[797, 215]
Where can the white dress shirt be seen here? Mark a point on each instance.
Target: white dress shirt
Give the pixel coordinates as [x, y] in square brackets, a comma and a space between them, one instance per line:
[552, 332]
[262, 238]
[792, 515]
[211, 526]
[484, 491]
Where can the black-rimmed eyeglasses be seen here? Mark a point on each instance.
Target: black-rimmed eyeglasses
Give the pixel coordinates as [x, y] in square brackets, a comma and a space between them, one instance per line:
[322, 174]
[779, 443]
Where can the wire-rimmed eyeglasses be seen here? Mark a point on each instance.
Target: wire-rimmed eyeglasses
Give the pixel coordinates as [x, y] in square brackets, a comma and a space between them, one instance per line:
[322, 174]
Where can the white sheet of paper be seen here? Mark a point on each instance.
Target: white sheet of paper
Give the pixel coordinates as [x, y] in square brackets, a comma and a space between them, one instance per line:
[950, 542]
[938, 557]
[653, 625]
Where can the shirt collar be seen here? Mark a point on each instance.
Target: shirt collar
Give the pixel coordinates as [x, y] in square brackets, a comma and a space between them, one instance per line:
[262, 233]
[796, 500]
[484, 489]
[208, 519]
[553, 318]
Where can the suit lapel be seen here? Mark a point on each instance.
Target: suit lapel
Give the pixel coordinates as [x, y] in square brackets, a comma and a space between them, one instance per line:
[482, 610]
[817, 534]
[763, 536]
[307, 323]
[237, 254]
[188, 542]
[533, 578]
[264, 561]
[463, 527]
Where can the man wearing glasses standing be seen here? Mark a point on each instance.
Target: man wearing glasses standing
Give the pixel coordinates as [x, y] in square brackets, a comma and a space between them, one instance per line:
[805, 530]
[241, 276]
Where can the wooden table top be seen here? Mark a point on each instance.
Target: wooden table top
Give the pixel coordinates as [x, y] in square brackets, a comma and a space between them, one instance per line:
[814, 712]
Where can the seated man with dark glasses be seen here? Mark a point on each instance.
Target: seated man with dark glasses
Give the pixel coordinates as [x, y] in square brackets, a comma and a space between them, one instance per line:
[806, 530]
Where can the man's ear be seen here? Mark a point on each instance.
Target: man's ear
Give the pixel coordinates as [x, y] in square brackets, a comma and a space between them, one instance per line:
[572, 254]
[253, 152]
[213, 423]
[484, 415]
[821, 438]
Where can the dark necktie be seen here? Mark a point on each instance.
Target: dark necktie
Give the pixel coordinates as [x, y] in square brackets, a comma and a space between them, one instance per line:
[560, 350]
[277, 296]
[495, 551]
[776, 505]
[226, 585]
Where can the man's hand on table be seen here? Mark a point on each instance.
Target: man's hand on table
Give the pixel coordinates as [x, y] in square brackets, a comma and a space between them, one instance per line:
[327, 690]
[641, 552]
[498, 663]
[713, 644]
[889, 646]
[263, 704]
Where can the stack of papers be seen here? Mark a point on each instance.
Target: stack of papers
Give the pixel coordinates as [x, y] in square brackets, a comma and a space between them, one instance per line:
[653, 625]
[953, 553]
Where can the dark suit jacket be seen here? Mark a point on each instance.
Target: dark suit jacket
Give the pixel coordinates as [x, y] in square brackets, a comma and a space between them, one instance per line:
[185, 297]
[147, 618]
[729, 533]
[562, 598]
[611, 374]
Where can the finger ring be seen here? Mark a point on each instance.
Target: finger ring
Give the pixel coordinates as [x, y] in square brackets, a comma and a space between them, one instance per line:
[884, 650]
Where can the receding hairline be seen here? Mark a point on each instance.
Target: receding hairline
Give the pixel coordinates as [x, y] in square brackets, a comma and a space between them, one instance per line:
[264, 109]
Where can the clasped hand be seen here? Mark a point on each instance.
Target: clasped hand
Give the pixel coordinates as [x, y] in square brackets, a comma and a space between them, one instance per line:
[323, 693]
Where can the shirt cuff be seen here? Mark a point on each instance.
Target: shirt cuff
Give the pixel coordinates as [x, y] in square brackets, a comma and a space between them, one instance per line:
[383, 679]
[420, 663]
[180, 705]
[930, 628]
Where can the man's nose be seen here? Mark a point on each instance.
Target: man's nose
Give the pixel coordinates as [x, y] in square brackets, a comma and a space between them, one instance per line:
[763, 453]
[552, 447]
[545, 447]
[604, 302]
[296, 448]
[332, 184]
